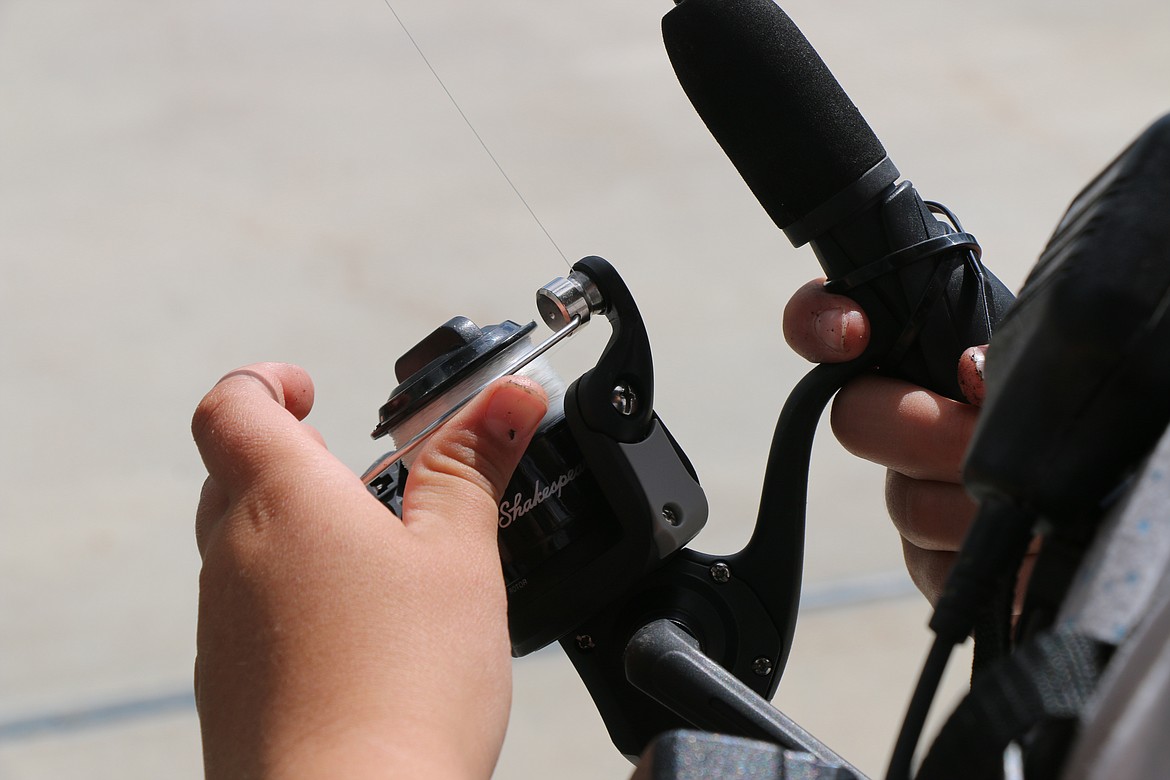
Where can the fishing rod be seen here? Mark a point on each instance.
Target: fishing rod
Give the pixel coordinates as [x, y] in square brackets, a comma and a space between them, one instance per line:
[596, 523]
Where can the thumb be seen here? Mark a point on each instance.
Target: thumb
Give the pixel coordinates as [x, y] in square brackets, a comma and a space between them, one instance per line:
[458, 476]
[823, 327]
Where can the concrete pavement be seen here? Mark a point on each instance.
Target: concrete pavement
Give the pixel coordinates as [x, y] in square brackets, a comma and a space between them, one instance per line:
[187, 187]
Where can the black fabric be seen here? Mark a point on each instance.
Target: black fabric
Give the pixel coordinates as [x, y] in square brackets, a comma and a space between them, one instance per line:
[1046, 681]
[993, 627]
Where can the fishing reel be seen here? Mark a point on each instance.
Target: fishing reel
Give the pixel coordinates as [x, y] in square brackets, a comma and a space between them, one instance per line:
[594, 524]
[603, 495]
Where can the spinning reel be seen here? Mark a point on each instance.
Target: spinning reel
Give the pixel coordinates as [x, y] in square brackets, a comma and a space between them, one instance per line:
[594, 523]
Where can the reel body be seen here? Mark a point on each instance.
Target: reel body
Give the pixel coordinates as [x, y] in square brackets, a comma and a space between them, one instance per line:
[603, 495]
[594, 524]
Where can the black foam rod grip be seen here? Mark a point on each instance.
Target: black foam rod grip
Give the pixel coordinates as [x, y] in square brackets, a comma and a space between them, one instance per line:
[771, 103]
[823, 176]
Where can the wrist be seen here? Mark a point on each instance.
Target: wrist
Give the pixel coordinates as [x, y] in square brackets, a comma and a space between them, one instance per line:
[367, 753]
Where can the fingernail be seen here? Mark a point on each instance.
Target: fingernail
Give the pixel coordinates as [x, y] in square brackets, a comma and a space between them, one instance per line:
[831, 326]
[978, 358]
[971, 380]
[514, 411]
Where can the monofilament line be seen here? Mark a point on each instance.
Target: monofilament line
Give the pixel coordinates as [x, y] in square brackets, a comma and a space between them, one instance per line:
[474, 132]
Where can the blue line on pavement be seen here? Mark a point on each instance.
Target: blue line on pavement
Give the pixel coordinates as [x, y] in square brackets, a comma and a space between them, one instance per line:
[816, 597]
[96, 716]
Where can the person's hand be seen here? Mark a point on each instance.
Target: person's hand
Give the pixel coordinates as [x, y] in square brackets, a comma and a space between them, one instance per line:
[919, 436]
[335, 640]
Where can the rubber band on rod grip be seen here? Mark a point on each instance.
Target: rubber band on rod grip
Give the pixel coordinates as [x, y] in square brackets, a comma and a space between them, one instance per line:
[895, 261]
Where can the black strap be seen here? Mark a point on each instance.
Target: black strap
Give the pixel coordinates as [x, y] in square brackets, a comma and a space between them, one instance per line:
[1046, 681]
[993, 623]
[895, 261]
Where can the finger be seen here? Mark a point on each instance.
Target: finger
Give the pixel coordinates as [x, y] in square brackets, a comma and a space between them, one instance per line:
[930, 515]
[823, 327]
[971, 375]
[289, 385]
[1022, 580]
[314, 434]
[213, 503]
[928, 569]
[249, 422]
[903, 427]
[458, 476]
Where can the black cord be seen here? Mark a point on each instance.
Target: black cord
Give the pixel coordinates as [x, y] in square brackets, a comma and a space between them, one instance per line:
[912, 724]
[990, 557]
[973, 261]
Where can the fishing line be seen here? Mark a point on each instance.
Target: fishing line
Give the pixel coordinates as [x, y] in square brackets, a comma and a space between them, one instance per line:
[474, 132]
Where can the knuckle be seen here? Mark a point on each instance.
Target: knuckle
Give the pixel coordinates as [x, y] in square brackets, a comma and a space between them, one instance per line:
[842, 416]
[928, 569]
[930, 515]
[963, 430]
[458, 456]
[897, 502]
[245, 535]
[906, 504]
[208, 414]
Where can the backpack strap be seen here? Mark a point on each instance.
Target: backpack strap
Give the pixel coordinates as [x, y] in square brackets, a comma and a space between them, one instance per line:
[1050, 679]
